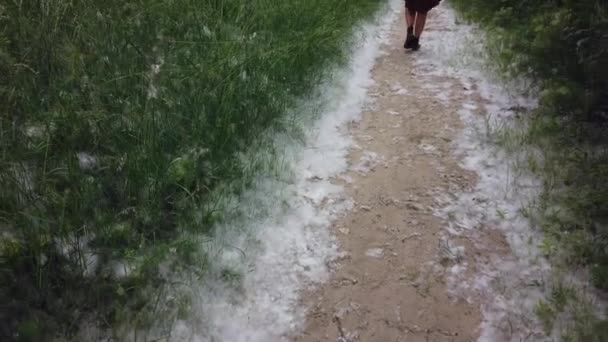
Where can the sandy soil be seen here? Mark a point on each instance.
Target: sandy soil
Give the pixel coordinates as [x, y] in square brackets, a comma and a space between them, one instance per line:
[391, 283]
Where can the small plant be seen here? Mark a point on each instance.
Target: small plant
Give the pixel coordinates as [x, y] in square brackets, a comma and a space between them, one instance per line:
[560, 296]
[546, 315]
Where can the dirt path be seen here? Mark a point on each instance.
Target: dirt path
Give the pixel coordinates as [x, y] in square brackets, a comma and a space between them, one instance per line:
[391, 284]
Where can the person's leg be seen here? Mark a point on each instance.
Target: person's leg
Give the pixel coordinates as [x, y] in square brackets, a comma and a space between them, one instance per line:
[422, 7]
[410, 18]
[419, 26]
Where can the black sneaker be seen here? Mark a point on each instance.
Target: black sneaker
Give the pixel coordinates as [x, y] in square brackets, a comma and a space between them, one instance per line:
[409, 38]
[415, 44]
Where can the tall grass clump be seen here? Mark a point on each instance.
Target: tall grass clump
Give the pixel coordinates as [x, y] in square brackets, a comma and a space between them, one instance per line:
[121, 129]
[563, 47]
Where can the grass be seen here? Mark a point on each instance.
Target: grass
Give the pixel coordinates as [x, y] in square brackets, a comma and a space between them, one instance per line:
[568, 309]
[122, 132]
[562, 46]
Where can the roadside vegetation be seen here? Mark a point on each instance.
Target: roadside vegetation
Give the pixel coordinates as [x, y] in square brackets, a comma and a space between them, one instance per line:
[122, 127]
[563, 47]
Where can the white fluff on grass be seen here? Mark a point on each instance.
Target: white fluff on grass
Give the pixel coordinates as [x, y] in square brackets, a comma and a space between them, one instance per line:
[457, 51]
[86, 161]
[288, 245]
[510, 285]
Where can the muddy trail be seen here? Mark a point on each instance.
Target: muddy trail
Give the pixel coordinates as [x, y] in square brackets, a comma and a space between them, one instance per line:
[398, 276]
[399, 217]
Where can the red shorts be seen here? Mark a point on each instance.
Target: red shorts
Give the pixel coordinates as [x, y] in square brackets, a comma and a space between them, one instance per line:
[421, 6]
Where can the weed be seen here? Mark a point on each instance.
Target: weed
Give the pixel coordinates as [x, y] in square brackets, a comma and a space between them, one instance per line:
[546, 314]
